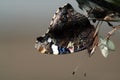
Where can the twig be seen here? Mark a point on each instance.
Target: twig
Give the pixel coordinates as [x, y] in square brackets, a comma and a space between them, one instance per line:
[97, 28]
[112, 31]
[95, 37]
[101, 19]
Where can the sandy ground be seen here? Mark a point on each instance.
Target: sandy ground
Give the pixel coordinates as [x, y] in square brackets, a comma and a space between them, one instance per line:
[19, 60]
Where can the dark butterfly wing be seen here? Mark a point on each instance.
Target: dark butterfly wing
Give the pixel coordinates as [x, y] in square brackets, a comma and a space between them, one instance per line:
[69, 32]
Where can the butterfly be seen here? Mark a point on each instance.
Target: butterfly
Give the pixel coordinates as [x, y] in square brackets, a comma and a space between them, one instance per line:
[69, 32]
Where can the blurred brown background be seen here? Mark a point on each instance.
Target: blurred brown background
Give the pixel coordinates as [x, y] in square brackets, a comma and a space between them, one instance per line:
[21, 21]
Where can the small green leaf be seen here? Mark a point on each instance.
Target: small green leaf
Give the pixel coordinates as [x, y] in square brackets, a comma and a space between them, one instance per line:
[110, 45]
[104, 50]
[106, 46]
[103, 41]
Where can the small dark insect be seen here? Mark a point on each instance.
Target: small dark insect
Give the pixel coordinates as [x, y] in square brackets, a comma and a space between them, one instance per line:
[76, 68]
[73, 73]
[85, 74]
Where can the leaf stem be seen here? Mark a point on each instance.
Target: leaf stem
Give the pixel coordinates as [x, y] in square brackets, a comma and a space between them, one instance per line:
[112, 31]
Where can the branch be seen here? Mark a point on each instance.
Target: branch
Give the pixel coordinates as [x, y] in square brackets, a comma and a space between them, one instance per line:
[101, 19]
[112, 31]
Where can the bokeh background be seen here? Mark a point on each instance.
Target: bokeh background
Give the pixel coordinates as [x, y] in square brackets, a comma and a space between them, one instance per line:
[21, 21]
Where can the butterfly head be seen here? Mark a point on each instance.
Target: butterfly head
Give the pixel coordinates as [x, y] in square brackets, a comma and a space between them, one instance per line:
[42, 43]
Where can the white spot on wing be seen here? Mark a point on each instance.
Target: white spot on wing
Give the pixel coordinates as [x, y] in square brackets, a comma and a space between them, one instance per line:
[49, 40]
[55, 49]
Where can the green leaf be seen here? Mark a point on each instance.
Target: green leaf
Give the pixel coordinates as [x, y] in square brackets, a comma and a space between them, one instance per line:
[110, 45]
[114, 2]
[104, 50]
[103, 41]
[106, 46]
[103, 47]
